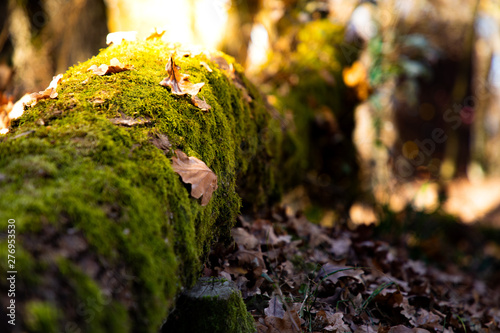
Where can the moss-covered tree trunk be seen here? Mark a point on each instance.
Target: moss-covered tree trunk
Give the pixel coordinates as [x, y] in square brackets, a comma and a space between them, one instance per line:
[106, 233]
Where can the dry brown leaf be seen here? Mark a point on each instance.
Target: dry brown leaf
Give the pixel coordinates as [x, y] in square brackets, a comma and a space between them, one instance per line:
[11, 111]
[334, 321]
[179, 83]
[275, 308]
[263, 230]
[245, 239]
[201, 103]
[289, 324]
[251, 261]
[50, 92]
[115, 66]
[195, 172]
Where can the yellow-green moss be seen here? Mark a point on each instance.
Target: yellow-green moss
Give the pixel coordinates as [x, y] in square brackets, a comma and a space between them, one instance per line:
[66, 168]
[41, 317]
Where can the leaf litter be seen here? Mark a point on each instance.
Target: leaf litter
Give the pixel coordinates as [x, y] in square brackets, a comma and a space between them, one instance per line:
[294, 278]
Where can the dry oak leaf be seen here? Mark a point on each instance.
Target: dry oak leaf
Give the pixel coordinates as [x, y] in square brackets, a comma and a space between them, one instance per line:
[335, 322]
[179, 83]
[290, 323]
[195, 172]
[50, 92]
[115, 66]
[275, 308]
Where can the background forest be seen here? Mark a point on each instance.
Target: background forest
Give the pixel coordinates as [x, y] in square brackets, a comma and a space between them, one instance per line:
[399, 106]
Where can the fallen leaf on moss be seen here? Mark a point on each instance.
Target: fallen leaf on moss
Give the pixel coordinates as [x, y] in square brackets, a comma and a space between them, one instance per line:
[156, 33]
[201, 103]
[179, 83]
[9, 111]
[50, 92]
[119, 36]
[115, 66]
[221, 62]
[195, 172]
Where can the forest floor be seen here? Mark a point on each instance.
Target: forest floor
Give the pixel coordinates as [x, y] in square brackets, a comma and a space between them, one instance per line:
[297, 276]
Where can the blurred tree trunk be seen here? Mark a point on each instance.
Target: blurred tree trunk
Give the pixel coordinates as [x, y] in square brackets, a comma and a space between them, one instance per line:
[241, 18]
[48, 36]
[486, 127]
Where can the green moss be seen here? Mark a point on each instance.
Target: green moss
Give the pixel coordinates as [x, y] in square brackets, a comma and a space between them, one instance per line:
[96, 311]
[73, 170]
[41, 317]
[306, 80]
[23, 262]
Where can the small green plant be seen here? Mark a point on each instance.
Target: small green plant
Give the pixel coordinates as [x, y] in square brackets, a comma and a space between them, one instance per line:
[374, 294]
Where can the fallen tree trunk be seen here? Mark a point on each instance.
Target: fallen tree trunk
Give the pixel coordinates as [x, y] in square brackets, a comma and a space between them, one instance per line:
[106, 233]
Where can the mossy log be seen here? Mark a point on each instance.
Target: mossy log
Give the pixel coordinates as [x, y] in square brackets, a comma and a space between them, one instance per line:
[106, 233]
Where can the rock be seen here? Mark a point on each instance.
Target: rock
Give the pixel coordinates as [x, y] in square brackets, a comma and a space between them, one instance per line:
[213, 305]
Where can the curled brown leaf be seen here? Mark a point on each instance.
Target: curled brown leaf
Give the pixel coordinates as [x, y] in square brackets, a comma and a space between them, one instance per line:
[178, 82]
[50, 92]
[195, 172]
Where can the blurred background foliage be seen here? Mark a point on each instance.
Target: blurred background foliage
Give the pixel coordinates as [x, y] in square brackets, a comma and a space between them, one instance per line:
[399, 101]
